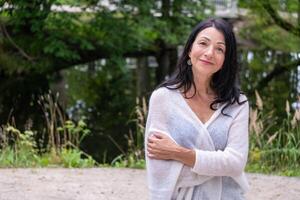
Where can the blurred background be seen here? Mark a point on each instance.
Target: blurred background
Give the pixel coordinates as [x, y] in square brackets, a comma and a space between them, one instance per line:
[76, 75]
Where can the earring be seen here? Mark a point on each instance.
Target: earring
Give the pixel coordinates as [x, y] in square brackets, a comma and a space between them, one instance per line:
[189, 62]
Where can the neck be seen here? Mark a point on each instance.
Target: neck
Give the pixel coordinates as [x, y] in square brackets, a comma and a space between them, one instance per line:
[203, 87]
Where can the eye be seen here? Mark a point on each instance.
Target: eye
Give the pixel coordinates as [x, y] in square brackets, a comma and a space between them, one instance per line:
[220, 50]
[202, 43]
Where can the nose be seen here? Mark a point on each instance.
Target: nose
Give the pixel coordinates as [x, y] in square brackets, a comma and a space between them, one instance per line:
[209, 52]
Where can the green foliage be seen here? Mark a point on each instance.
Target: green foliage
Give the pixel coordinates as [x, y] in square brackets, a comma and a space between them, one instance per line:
[104, 94]
[77, 132]
[60, 50]
[23, 158]
[266, 35]
[17, 149]
[134, 156]
[20, 150]
[274, 148]
[270, 62]
[73, 158]
[130, 161]
[253, 167]
[36, 37]
[41, 42]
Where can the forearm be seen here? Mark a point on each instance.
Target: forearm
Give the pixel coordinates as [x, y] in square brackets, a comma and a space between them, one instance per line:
[229, 162]
[162, 147]
[185, 156]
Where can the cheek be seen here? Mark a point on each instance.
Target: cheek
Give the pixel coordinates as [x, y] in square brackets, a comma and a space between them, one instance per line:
[195, 52]
[221, 61]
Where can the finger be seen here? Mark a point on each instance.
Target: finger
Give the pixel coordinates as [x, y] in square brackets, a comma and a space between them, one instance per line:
[149, 147]
[154, 144]
[153, 139]
[156, 156]
[153, 154]
[151, 151]
[159, 135]
[150, 155]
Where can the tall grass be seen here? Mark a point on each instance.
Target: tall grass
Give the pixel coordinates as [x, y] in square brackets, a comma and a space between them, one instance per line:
[274, 148]
[134, 157]
[63, 137]
[17, 149]
[274, 143]
[60, 131]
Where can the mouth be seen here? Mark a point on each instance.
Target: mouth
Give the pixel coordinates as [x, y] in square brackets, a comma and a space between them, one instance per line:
[206, 62]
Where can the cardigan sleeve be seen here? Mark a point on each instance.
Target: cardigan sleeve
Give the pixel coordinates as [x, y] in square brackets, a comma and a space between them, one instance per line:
[161, 174]
[232, 160]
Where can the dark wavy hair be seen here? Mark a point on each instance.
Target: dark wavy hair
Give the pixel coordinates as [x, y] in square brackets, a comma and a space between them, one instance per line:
[224, 82]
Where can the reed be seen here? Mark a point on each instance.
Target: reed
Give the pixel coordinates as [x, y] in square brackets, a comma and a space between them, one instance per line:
[274, 148]
[134, 156]
[20, 149]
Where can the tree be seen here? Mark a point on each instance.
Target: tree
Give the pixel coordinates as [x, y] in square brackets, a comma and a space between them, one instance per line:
[267, 24]
[38, 41]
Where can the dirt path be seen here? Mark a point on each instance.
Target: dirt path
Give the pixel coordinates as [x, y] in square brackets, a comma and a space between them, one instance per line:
[115, 184]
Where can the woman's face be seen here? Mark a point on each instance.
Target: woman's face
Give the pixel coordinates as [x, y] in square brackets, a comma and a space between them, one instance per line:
[208, 52]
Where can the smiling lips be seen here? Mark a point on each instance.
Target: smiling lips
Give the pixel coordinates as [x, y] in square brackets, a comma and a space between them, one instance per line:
[206, 62]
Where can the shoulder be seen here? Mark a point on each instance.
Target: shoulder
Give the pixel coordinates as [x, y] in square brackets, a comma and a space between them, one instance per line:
[237, 101]
[243, 101]
[160, 100]
[243, 98]
[161, 94]
[240, 104]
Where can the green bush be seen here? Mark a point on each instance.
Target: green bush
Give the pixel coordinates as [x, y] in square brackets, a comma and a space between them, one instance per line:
[20, 150]
[274, 152]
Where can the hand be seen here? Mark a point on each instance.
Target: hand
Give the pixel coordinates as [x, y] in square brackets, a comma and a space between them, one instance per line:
[161, 147]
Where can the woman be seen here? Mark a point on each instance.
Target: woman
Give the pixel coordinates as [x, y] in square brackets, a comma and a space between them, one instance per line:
[197, 127]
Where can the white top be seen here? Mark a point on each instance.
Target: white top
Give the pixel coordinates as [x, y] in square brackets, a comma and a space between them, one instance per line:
[171, 115]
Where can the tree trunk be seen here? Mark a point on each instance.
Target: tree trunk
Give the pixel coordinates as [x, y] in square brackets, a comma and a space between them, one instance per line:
[173, 60]
[142, 76]
[163, 60]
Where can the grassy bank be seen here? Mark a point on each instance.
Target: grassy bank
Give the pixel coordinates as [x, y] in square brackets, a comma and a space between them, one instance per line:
[274, 148]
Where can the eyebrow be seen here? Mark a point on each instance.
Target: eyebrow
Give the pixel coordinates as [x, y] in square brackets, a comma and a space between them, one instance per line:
[209, 40]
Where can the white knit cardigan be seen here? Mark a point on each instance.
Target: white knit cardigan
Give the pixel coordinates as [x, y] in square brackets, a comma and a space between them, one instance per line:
[170, 114]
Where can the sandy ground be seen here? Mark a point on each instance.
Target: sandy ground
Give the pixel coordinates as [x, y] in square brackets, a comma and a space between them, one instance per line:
[115, 184]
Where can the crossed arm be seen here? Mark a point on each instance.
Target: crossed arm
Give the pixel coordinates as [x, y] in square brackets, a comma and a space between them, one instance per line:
[229, 162]
[161, 147]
